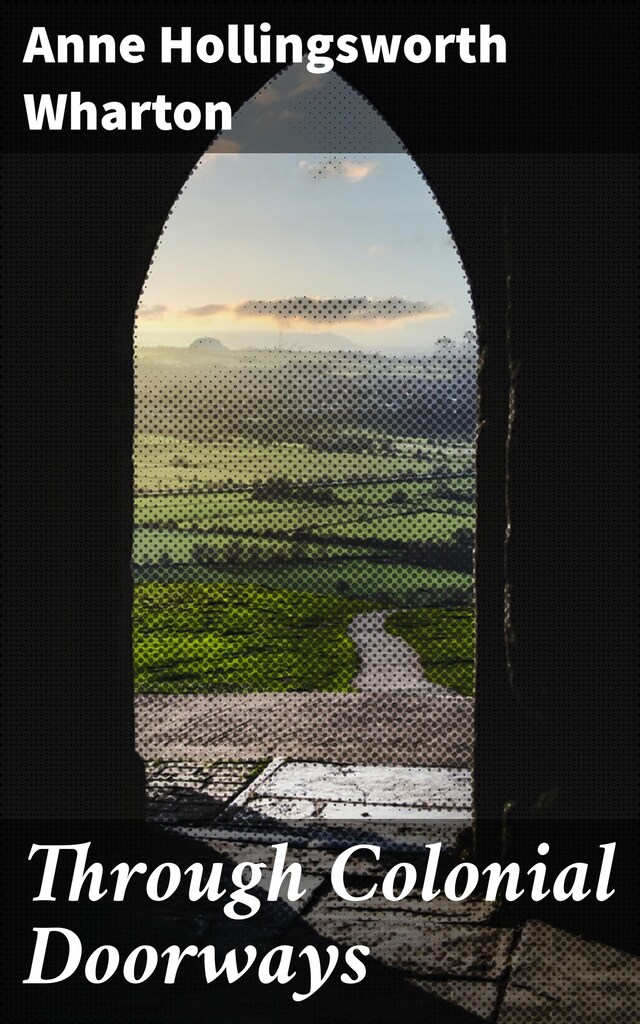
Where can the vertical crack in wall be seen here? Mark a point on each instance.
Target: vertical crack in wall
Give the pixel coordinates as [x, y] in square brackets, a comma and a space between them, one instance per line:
[509, 631]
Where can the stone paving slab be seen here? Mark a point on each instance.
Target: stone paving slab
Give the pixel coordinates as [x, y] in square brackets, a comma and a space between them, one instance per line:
[399, 728]
[563, 979]
[449, 950]
[477, 997]
[376, 784]
[227, 801]
[316, 860]
[302, 789]
[394, 838]
[389, 812]
[418, 943]
[472, 910]
[182, 790]
[283, 809]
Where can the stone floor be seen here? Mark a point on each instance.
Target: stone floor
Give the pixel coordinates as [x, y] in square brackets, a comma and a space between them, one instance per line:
[304, 789]
[459, 953]
[399, 727]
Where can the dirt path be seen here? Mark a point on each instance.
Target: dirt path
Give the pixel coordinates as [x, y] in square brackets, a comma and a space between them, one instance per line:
[396, 717]
[388, 662]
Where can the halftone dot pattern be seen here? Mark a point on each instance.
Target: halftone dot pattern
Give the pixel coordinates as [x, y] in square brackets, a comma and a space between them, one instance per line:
[304, 517]
[529, 998]
[304, 524]
[298, 112]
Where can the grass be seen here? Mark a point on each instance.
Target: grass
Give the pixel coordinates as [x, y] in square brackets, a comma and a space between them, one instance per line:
[445, 641]
[162, 461]
[387, 583]
[258, 525]
[231, 637]
[353, 502]
[242, 590]
[300, 545]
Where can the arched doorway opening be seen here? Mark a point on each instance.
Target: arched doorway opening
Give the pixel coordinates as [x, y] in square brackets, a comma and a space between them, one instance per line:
[305, 475]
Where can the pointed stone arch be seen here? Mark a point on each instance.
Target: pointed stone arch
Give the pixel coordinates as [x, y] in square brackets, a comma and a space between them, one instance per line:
[276, 98]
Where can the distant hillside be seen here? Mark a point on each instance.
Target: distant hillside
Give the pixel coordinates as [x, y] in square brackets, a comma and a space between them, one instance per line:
[297, 341]
[311, 397]
[209, 344]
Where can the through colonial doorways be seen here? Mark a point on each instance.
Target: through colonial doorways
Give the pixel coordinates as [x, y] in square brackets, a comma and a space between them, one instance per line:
[305, 475]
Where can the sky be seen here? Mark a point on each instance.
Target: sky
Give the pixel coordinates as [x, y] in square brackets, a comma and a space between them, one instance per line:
[260, 245]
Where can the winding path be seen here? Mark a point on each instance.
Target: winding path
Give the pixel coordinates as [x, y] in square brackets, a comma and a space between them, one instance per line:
[387, 662]
[396, 717]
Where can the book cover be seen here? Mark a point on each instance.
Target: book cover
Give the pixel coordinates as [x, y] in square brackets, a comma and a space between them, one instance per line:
[319, 602]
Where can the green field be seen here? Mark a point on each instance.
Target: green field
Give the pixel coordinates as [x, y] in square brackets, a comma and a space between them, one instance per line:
[280, 493]
[346, 504]
[253, 518]
[235, 638]
[371, 540]
[220, 638]
[166, 462]
[445, 641]
[388, 584]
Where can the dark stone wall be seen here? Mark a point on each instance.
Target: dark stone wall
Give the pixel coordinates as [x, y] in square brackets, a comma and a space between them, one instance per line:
[548, 245]
[571, 473]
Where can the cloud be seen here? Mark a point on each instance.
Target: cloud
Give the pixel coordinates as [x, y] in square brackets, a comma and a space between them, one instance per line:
[294, 81]
[338, 167]
[221, 148]
[308, 311]
[212, 309]
[362, 311]
[154, 312]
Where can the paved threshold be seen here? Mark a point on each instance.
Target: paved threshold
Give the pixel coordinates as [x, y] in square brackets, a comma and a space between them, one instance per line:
[453, 951]
[398, 728]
